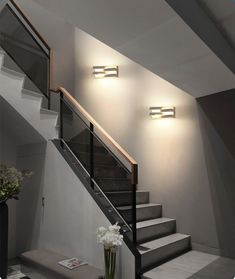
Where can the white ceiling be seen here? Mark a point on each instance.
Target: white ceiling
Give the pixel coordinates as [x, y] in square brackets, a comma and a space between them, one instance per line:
[153, 35]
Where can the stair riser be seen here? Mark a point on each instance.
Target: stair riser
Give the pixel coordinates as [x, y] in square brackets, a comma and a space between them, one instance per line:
[122, 199]
[143, 214]
[156, 257]
[114, 186]
[156, 231]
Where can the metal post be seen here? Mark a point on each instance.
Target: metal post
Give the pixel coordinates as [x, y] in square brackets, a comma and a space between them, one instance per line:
[134, 213]
[61, 135]
[92, 154]
[49, 100]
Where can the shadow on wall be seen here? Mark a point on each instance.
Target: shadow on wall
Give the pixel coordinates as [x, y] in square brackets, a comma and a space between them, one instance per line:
[29, 207]
[217, 120]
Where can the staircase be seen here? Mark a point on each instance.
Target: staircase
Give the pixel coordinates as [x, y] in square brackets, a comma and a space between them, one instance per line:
[157, 240]
[105, 176]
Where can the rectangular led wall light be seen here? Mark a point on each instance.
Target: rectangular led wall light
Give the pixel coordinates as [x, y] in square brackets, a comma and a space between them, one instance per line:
[162, 112]
[105, 71]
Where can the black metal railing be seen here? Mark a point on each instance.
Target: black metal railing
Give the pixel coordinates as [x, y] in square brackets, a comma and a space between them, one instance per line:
[106, 173]
[21, 41]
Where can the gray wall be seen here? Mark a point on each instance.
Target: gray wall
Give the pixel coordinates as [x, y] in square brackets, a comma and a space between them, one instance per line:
[217, 123]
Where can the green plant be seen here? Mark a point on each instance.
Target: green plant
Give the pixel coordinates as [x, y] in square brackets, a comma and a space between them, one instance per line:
[11, 182]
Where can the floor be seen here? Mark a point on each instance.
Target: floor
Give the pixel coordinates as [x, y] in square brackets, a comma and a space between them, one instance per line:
[195, 265]
[192, 265]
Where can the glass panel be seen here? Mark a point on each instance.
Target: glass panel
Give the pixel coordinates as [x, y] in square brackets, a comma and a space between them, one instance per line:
[21, 46]
[111, 180]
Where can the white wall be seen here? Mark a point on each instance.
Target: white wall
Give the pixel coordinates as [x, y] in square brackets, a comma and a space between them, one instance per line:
[169, 152]
[29, 207]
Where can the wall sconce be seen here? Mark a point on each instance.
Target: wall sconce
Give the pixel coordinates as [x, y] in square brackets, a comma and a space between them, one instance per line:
[162, 112]
[105, 71]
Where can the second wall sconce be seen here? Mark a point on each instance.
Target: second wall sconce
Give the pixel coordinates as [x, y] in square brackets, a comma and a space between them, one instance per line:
[162, 112]
[105, 71]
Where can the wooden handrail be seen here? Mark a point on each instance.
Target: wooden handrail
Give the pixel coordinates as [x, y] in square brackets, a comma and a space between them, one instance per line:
[121, 151]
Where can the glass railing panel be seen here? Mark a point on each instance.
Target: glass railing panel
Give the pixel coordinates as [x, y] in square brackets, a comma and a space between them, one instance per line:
[24, 49]
[110, 179]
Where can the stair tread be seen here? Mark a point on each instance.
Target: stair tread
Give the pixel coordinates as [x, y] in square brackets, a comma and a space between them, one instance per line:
[138, 206]
[153, 222]
[163, 241]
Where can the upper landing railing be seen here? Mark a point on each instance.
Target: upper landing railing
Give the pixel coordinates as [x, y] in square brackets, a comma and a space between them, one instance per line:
[26, 47]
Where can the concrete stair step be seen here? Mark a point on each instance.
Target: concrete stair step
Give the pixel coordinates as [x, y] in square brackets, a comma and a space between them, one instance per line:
[122, 198]
[44, 264]
[33, 94]
[114, 184]
[32, 97]
[143, 212]
[155, 228]
[157, 251]
[13, 73]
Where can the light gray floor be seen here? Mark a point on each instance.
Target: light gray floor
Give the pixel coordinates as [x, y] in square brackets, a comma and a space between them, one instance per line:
[195, 265]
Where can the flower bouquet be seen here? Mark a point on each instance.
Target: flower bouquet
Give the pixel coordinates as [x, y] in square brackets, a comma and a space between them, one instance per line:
[111, 238]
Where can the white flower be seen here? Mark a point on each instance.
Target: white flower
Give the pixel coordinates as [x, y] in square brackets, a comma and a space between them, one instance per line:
[110, 237]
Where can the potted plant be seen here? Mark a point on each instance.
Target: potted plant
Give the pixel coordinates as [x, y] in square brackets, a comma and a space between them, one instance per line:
[10, 187]
[111, 238]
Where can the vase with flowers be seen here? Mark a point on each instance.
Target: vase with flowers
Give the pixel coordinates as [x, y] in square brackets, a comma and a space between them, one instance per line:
[111, 239]
[10, 187]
